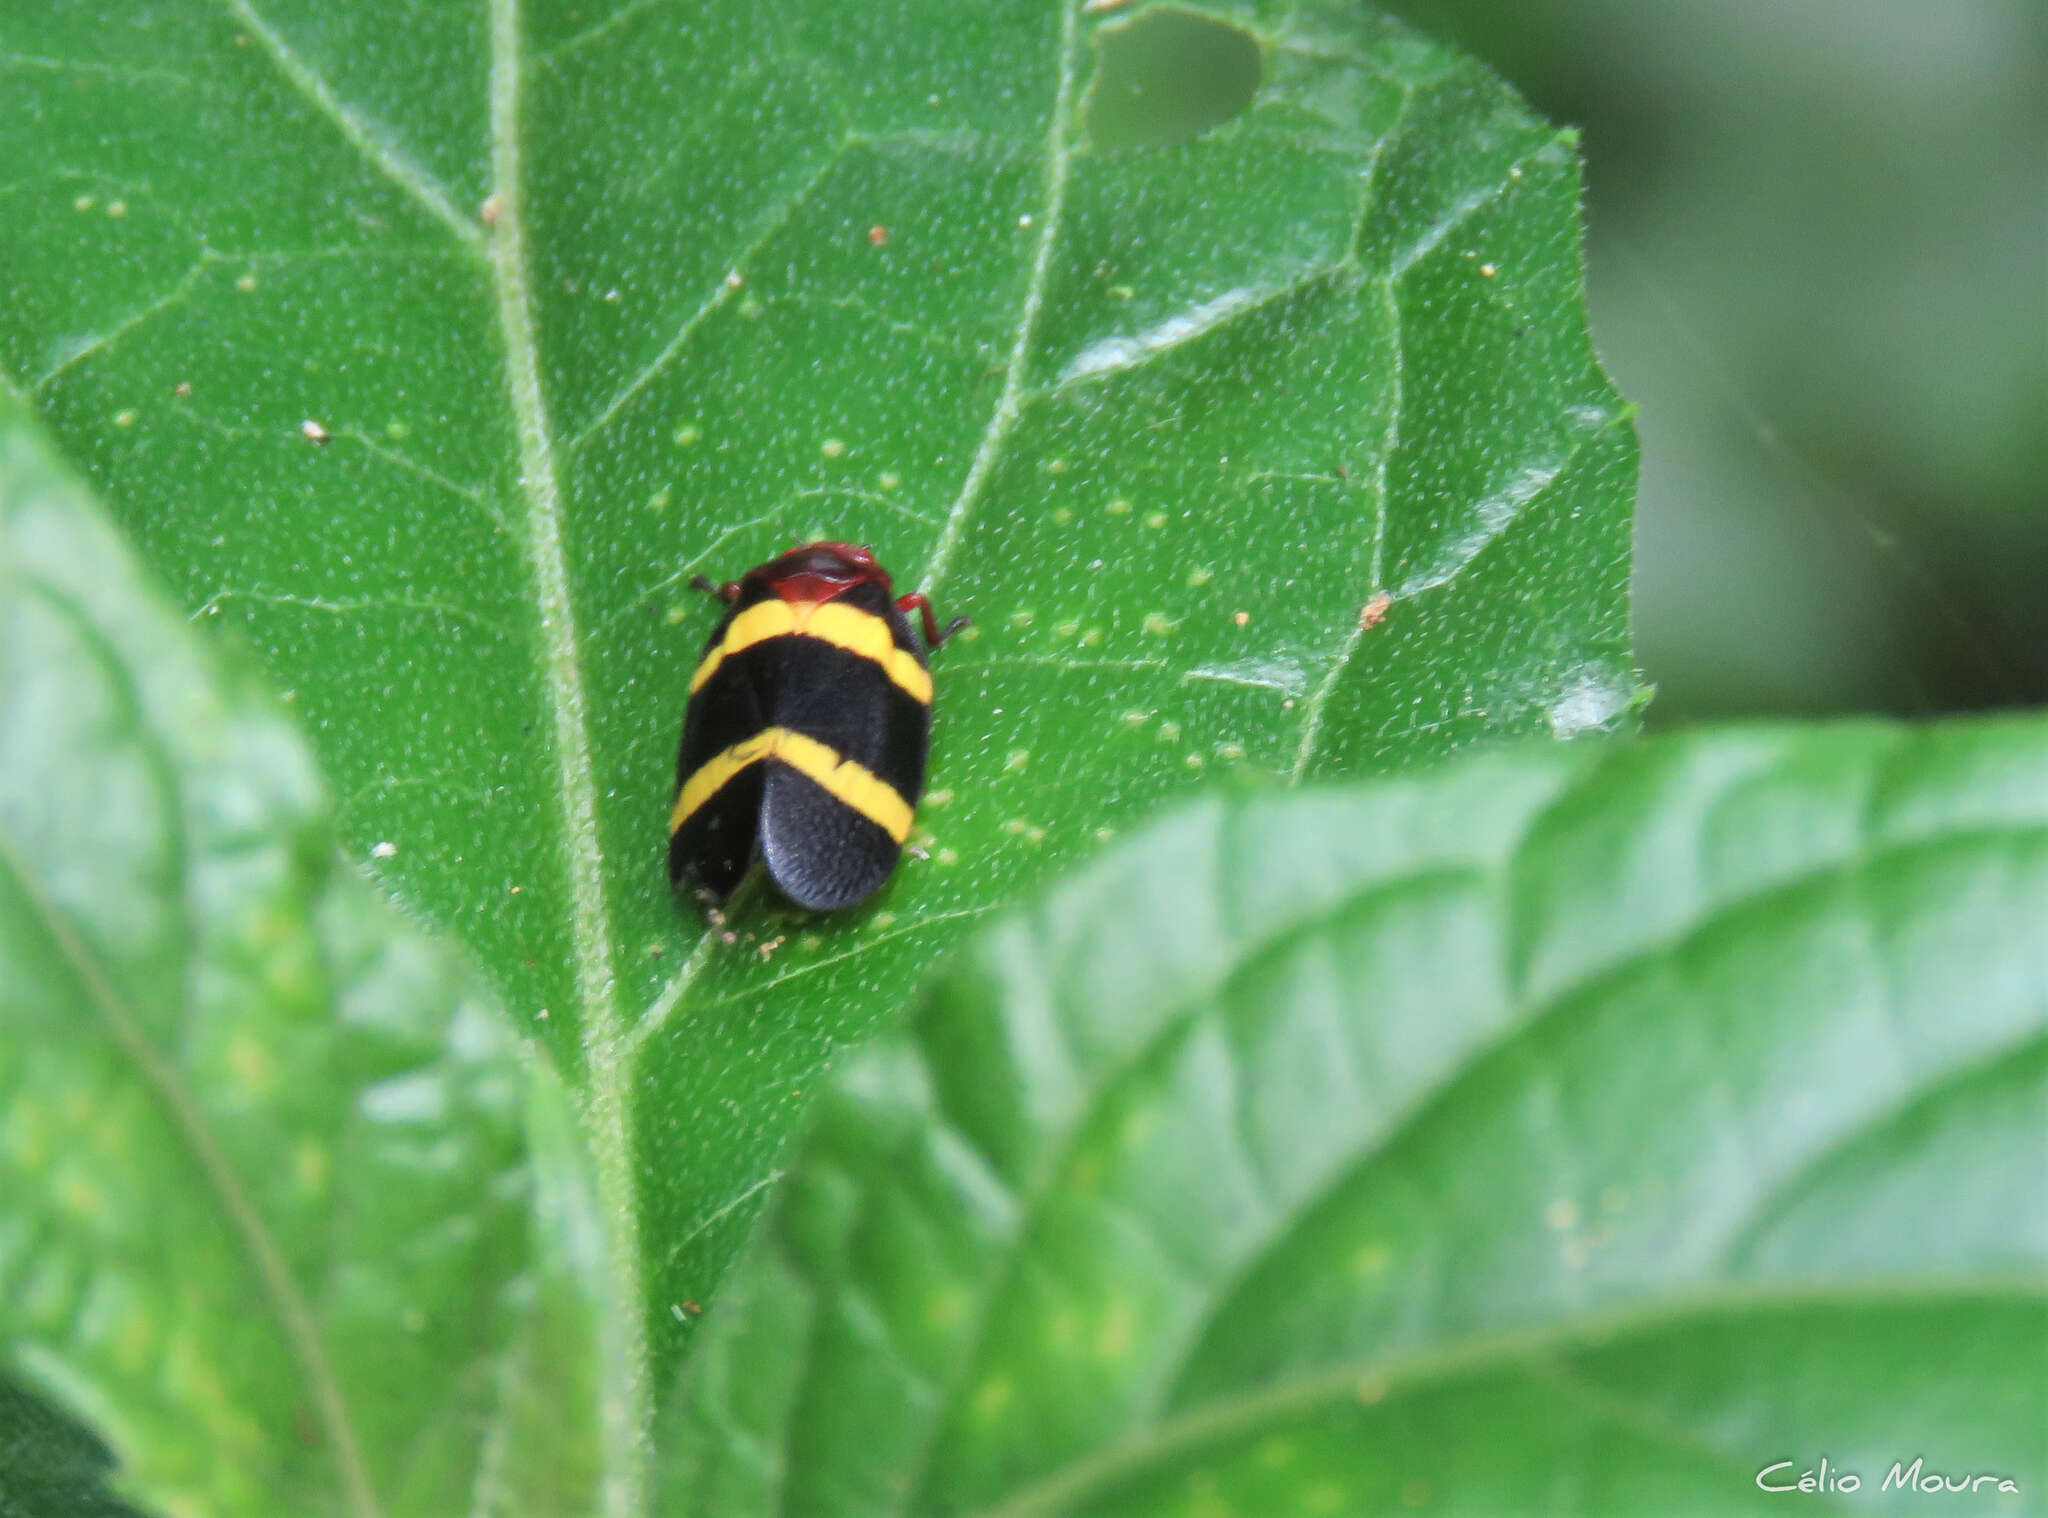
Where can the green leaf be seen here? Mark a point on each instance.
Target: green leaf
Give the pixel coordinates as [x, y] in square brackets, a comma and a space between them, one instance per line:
[49, 1466]
[268, 1217]
[433, 349]
[1567, 1130]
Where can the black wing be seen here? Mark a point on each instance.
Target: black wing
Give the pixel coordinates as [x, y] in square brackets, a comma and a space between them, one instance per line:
[822, 852]
[715, 844]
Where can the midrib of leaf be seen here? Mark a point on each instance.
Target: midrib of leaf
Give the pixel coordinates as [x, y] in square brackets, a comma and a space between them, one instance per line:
[1402, 1374]
[301, 1329]
[607, 1118]
[1059, 159]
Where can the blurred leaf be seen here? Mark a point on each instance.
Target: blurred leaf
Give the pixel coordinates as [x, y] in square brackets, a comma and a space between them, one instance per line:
[49, 1466]
[1569, 1130]
[434, 350]
[265, 1197]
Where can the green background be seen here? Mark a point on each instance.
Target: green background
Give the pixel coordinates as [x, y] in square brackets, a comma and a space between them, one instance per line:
[1814, 236]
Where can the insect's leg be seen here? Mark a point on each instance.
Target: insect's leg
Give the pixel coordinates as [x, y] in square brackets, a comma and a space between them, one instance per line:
[729, 592]
[918, 602]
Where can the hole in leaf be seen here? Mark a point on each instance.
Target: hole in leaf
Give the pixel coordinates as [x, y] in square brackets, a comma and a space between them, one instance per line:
[1168, 76]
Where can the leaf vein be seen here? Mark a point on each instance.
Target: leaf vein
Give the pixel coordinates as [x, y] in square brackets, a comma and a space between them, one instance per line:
[607, 1113]
[1512, 1034]
[176, 296]
[422, 188]
[728, 286]
[1470, 206]
[1948, 1083]
[1009, 407]
[1390, 439]
[1065, 1489]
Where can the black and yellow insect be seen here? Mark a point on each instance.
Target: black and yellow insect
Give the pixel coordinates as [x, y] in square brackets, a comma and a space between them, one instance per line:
[805, 737]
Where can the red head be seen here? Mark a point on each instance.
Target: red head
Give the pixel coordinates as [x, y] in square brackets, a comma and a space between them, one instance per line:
[820, 571]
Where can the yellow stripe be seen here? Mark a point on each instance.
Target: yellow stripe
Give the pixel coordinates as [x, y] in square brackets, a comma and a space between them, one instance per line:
[764, 619]
[858, 787]
[848, 627]
[863, 790]
[708, 777]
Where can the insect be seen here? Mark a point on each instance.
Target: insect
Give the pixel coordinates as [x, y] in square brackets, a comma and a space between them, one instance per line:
[805, 737]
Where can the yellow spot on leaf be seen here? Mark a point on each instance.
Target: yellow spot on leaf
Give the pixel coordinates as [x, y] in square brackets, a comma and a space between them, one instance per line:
[1113, 1338]
[77, 1195]
[992, 1397]
[309, 1162]
[251, 1064]
[135, 1339]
